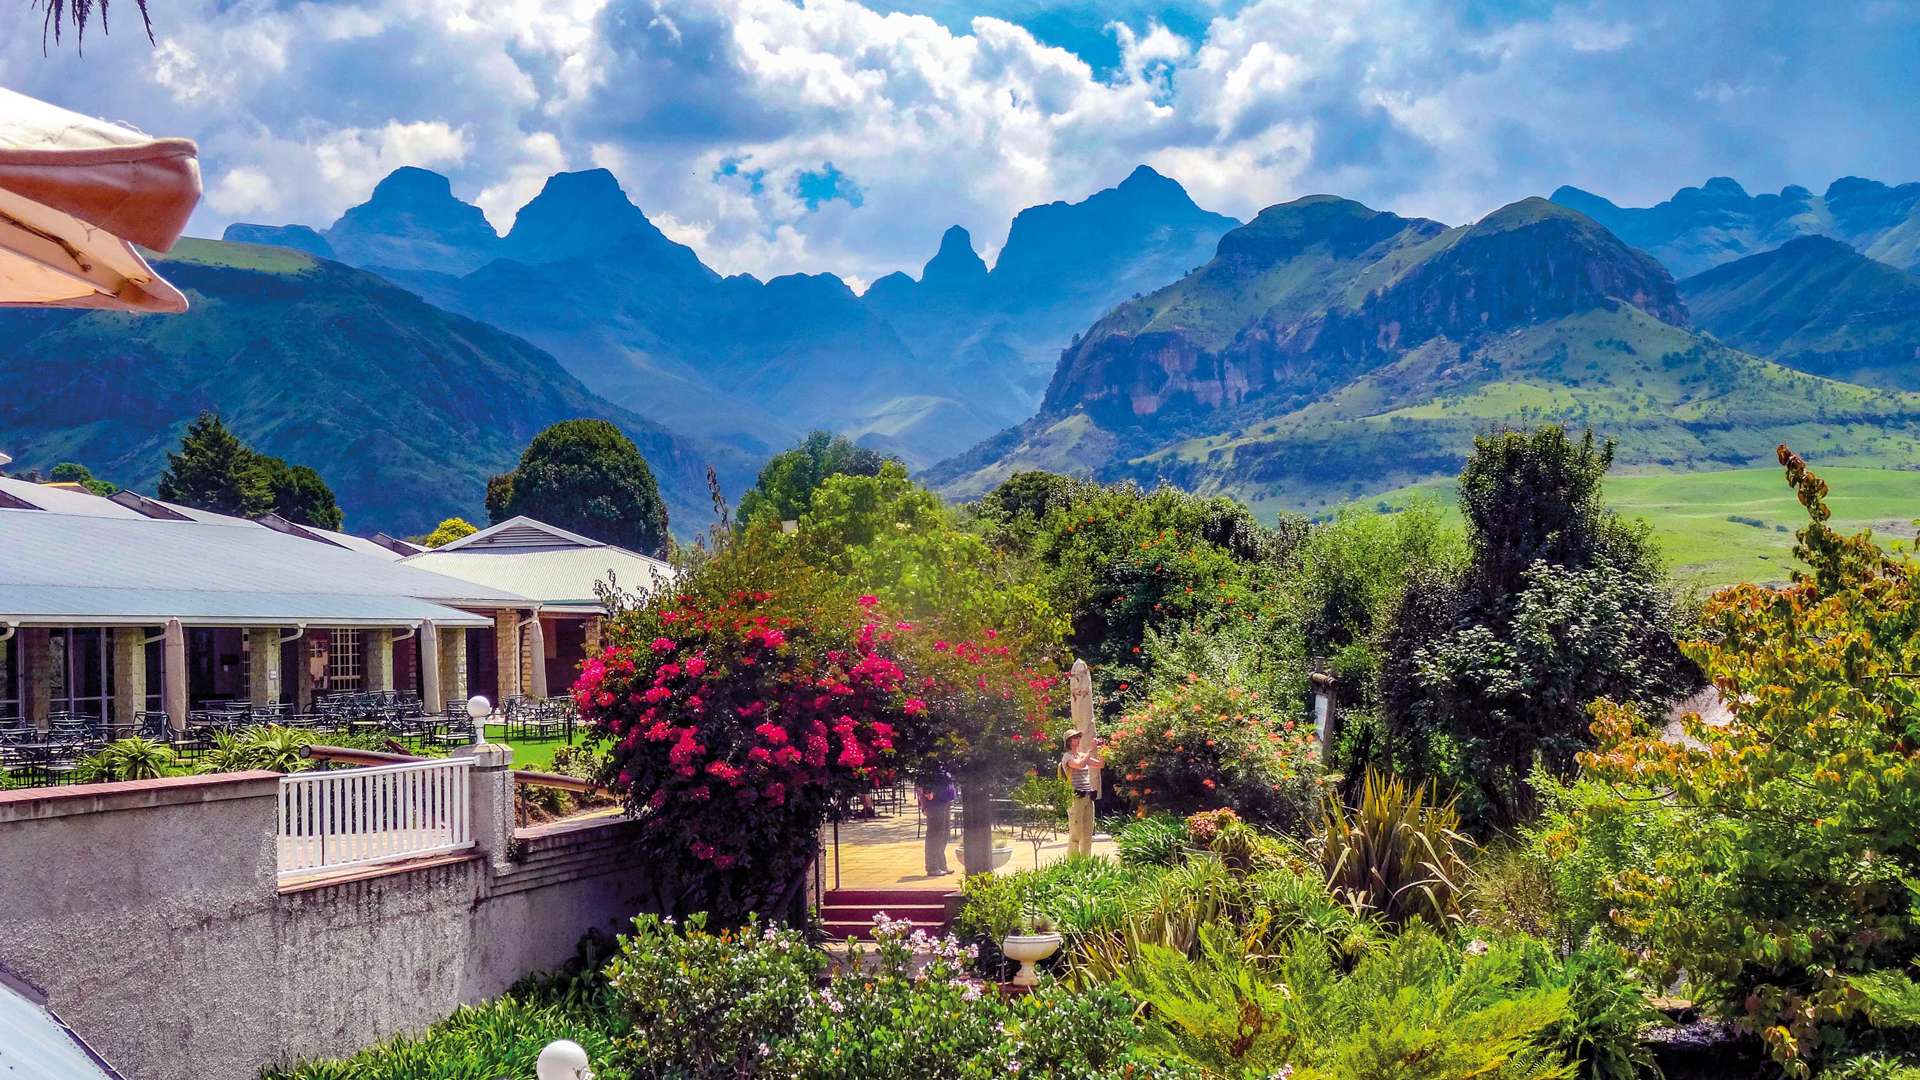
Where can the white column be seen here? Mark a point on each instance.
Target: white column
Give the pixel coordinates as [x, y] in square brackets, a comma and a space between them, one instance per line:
[174, 685]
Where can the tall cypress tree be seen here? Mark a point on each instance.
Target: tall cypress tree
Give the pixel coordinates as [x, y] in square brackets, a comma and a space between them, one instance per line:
[214, 471]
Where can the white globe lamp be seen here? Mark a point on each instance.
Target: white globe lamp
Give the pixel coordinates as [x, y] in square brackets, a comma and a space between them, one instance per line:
[479, 708]
[563, 1059]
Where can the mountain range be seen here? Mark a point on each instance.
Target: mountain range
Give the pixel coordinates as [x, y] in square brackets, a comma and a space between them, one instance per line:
[1329, 351]
[1321, 352]
[920, 368]
[1701, 227]
[405, 409]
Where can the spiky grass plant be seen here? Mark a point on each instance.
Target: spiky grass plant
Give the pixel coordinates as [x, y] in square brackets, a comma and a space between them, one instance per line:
[1399, 854]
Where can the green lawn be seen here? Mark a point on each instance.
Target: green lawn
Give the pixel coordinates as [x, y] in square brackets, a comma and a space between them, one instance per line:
[534, 754]
[1693, 515]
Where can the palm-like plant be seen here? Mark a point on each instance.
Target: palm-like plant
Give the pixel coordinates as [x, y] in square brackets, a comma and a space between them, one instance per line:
[80, 13]
[132, 758]
[273, 748]
[1414, 1009]
[1399, 853]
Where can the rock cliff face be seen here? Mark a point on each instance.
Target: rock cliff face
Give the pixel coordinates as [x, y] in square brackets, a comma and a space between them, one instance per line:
[1318, 291]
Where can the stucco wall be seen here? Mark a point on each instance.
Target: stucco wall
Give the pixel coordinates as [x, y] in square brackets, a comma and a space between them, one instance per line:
[150, 915]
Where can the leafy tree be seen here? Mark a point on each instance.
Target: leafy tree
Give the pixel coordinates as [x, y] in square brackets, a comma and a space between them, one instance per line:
[300, 495]
[786, 483]
[72, 472]
[214, 471]
[587, 476]
[449, 530]
[1122, 564]
[1801, 811]
[1485, 671]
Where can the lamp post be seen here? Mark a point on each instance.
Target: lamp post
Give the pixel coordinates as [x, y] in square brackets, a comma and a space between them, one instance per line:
[478, 709]
[563, 1059]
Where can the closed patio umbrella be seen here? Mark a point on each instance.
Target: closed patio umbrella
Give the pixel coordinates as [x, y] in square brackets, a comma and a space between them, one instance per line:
[76, 195]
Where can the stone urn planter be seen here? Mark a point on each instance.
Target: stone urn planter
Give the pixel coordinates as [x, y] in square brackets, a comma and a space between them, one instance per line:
[1029, 949]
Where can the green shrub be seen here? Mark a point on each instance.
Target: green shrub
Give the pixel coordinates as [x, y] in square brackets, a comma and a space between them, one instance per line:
[499, 1038]
[911, 1012]
[1416, 1009]
[1154, 840]
[131, 758]
[1396, 853]
[702, 1003]
[270, 747]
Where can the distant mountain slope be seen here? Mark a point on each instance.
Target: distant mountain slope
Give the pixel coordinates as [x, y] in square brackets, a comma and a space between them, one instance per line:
[404, 408]
[1330, 351]
[1702, 227]
[1000, 332]
[921, 369]
[1816, 305]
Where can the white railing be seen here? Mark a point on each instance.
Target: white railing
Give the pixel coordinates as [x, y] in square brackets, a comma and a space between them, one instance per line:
[356, 817]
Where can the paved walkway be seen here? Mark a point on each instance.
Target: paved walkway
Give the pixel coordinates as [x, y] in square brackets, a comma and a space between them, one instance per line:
[889, 853]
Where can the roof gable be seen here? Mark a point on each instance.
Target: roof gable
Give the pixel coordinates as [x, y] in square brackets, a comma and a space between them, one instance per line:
[520, 534]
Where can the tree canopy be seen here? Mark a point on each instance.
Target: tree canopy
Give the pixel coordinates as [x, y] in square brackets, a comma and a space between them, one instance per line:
[587, 476]
[215, 471]
[449, 530]
[72, 472]
[786, 483]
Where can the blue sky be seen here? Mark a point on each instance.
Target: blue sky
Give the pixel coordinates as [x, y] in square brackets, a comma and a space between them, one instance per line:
[846, 135]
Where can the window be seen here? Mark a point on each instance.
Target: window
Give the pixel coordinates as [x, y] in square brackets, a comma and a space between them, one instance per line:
[343, 661]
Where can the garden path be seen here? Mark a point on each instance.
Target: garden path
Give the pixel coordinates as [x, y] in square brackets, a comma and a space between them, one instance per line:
[889, 853]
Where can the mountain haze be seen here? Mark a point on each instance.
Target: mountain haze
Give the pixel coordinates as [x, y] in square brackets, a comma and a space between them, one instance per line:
[1702, 227]
[921, 368]
[405, 409]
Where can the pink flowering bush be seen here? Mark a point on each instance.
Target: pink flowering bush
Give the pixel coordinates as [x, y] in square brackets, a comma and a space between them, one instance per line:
[736, 722]
[1201, 746]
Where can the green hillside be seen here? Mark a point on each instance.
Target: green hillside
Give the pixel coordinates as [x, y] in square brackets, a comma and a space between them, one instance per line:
[405, 409]
[1718, 528]
[1816, 305]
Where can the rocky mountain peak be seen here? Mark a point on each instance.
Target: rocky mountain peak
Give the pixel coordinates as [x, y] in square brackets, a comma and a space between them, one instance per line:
[413, 221]
[956, 264]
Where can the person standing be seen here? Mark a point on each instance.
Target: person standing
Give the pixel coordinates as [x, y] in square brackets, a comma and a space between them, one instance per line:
[1082, 771]
[936, 799]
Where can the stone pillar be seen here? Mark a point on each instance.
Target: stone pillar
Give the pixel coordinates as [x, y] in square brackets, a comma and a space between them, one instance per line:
[129, 673]
[592, 634]
[36, 657]
[263, 666]
[490, 801]
[506, 654]
[378, 665]
[453, 664]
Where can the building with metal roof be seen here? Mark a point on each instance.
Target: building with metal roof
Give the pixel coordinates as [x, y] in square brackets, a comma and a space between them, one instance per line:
[112, 608]
[559, 570]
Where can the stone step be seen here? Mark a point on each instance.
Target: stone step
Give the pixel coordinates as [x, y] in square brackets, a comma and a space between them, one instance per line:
[928, 916]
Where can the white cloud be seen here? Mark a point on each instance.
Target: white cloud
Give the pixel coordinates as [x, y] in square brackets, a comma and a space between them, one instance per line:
[709, 110]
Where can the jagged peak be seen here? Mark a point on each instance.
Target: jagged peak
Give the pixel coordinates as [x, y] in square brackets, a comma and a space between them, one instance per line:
[1724, 185]
[956, 263]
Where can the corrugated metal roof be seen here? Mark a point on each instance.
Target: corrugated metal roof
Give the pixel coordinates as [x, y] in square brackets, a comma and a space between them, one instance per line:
[64, 500]
[561, 578]
[54, 564]
[36, 1045]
